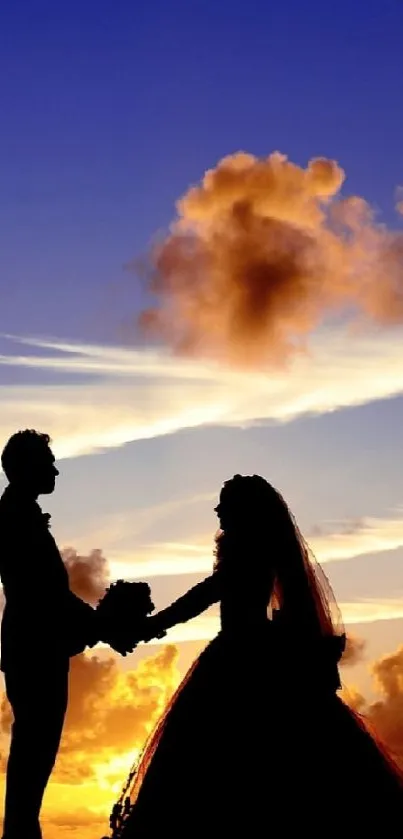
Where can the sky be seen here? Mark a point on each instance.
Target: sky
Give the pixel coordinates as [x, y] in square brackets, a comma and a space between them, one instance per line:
[110, 113]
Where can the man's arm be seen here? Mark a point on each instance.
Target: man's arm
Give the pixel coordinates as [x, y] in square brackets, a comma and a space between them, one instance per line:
[88, 628]
[83, 617]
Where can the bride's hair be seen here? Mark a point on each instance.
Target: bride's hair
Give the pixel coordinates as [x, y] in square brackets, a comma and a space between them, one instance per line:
[262, 539]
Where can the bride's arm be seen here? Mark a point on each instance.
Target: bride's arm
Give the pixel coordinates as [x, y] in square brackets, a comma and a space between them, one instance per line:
[191, 604]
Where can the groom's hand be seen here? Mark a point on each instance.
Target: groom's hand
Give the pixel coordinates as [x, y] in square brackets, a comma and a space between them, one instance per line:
[126, 642]
[116, 639]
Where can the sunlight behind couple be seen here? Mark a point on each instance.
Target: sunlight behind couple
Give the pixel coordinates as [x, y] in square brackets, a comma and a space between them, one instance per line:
[256, 328]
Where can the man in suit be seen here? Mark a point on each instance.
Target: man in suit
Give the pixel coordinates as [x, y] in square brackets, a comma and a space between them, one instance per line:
[43, 624]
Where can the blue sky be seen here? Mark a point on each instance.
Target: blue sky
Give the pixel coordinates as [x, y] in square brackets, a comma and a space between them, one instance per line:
[110, 111]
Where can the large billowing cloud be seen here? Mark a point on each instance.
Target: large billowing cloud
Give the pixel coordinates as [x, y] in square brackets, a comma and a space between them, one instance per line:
[261, 252]
[112, 711]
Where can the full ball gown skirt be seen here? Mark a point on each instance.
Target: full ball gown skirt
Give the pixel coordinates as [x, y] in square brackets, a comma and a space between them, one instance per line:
[256, 740]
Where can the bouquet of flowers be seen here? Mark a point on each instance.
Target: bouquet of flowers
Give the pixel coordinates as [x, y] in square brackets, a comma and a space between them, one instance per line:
[123, 613]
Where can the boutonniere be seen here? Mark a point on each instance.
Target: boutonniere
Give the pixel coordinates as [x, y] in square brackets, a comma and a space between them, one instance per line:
[46, 518]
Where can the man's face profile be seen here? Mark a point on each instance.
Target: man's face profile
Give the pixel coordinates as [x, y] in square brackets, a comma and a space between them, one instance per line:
[29, 463]
[45, 472]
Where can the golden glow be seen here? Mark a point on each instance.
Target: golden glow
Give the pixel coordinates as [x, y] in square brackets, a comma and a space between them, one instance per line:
[111, 713]
[110, 773]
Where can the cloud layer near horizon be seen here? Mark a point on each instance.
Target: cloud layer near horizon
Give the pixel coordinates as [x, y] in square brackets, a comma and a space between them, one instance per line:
[114, 395]
[125, 538]
[90, 572]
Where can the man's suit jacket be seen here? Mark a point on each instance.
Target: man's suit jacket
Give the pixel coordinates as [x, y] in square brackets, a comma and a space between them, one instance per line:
[42, 617]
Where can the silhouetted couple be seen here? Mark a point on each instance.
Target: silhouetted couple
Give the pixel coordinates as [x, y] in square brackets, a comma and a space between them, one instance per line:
[256, 739]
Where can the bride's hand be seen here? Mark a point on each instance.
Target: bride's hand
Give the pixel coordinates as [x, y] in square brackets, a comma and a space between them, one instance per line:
[118, 639]
[153, 628]
[122, 647]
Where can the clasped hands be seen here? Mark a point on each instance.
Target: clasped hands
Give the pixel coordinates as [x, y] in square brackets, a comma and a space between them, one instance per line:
[125, 638]
[124, 616]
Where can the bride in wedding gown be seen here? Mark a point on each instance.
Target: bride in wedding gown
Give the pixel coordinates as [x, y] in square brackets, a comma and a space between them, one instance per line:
[256, 738]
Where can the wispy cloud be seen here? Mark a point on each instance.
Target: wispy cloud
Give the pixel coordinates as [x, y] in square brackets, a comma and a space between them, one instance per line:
[120, 395]
[163, 559]
[130, 557]
[368, 610]
[130, 524]
[369, 535]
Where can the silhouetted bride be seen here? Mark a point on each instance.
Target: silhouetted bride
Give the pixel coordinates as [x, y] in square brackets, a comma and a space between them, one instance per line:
[256, 738]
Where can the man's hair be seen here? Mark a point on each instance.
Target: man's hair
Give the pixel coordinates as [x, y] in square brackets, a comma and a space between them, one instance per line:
[23, 448]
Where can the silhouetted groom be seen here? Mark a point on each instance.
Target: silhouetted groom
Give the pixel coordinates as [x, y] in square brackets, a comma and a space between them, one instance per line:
[43, 624]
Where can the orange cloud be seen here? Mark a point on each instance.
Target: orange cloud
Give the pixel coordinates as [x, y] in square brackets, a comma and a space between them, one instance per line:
[88, 574]
[110, 714]
[79, 824]
[110, 711]
[261, 252]
[386, 713]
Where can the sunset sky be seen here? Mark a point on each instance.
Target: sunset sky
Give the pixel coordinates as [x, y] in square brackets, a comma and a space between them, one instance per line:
[111, 111]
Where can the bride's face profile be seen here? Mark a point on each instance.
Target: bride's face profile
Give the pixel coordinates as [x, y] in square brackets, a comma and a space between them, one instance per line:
[226, 514]
[235, 509]
[232, 513]
[220, 515]
[245, 500]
